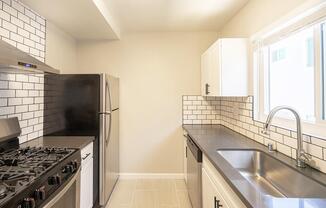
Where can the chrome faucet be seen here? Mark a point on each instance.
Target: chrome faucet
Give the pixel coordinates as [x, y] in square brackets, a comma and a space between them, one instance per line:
[302, 156]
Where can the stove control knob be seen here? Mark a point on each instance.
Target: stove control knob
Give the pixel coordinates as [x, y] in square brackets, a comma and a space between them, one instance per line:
[68, 169]
[28, 203]
[75, 164]
[52, 180]
[39, 194]
[58, 179]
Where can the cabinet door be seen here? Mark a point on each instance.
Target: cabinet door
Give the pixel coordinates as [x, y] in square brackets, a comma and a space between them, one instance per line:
[215, 69]
[234, 66]
[205, 76]
[211, 196]
[86, 184]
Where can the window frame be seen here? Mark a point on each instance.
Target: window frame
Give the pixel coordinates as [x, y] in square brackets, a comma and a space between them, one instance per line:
[313, 17]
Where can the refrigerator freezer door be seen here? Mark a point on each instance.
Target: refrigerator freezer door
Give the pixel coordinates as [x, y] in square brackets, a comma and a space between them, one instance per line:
[113, 93]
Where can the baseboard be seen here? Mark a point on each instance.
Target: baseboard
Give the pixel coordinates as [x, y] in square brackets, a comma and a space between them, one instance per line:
[151, 176]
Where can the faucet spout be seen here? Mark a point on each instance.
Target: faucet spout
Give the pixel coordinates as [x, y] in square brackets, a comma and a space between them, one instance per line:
[302, 156]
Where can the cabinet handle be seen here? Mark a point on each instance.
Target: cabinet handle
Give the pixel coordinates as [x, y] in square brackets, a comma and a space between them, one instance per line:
[186, 151]
[88, 154]
[207, 89]
[217, 203]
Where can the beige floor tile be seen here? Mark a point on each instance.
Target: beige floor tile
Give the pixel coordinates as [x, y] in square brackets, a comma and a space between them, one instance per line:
[145, 199]
[146, 184]
[183, 198]
[180, 185]
[122, 194]
[150, 193]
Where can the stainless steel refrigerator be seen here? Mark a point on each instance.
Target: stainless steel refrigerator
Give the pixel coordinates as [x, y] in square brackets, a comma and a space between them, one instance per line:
[109, 136]
[87, 105]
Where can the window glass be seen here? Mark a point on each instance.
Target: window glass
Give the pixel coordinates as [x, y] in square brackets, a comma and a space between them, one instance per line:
[289, 74]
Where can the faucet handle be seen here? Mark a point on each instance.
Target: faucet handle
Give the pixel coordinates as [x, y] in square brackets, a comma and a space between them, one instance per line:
[304, 156]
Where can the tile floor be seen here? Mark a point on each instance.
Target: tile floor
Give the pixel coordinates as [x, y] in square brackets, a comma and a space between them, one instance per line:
[150, 193]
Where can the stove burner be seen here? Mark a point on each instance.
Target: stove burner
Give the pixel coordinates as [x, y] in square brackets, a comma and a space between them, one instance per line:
[20, 167]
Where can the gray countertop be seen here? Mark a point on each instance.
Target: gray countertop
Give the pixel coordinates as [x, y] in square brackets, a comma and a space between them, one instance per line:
[209, 138]
[60, 141]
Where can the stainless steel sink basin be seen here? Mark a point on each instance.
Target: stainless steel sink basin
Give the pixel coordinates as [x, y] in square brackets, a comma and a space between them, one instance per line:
[271, 176]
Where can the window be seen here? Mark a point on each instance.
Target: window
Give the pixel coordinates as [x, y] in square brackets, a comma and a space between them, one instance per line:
[290, 69]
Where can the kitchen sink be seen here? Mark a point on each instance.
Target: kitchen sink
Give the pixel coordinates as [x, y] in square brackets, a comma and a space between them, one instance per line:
[271, 176]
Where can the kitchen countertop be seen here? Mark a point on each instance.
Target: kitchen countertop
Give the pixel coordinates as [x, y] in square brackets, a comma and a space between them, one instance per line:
[209, 138]
[60, 141]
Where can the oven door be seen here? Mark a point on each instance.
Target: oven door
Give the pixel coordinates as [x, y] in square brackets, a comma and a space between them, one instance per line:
[69, 196]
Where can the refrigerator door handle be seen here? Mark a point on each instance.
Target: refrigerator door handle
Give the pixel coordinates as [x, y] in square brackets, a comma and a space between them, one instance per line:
[107, 139]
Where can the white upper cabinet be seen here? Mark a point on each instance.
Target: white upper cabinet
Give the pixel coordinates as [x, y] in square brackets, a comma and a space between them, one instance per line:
[224, 68]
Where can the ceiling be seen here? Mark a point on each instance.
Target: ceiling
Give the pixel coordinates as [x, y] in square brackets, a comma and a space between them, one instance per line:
[173, 15]
[104, 19]
[83, 19]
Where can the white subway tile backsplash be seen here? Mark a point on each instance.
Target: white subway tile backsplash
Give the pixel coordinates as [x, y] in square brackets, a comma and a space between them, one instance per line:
[28, 86]
[22, 77]
[38, 127]
[30, 14]
[313, 150]
[284, 149]
[236, 113]
[33, 121]
[7, 110]
[16, 21]
[27, 115]
[33, 93]
[18, 6]
[4, 15]
[9, 26]
[7, 93]
[38, 113]
[18, 101]
[3, 84]
[21, 109]
[3, 102]
[15, 101]
[24, 18]
[33, 107]
[10, 10]
[27, 130]
[28, 100]
[22, 28]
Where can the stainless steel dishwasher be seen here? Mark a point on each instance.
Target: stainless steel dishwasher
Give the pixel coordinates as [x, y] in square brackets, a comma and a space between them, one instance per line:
[194, 166]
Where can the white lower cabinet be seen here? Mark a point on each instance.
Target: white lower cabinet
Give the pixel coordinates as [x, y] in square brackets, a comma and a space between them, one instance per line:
[86, 178]
[216, 192]
[185, 152]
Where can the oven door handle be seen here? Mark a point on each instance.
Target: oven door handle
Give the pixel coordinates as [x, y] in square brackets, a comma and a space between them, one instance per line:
[56, 198]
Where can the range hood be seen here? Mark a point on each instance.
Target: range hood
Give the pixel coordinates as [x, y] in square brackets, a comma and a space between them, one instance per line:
[13, 60]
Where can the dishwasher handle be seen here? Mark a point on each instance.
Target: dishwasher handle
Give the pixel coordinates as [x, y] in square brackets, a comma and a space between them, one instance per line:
[196, 152]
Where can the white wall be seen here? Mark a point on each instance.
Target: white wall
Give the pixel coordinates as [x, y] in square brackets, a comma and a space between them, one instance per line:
[260, 15]
[256, 15]
[155, 70]
[60, 49]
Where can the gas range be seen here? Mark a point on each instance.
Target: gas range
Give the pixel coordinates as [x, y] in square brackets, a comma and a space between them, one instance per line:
[30, 177]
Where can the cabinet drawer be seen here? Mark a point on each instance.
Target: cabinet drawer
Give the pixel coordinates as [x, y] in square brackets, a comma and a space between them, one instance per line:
[87, 153]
